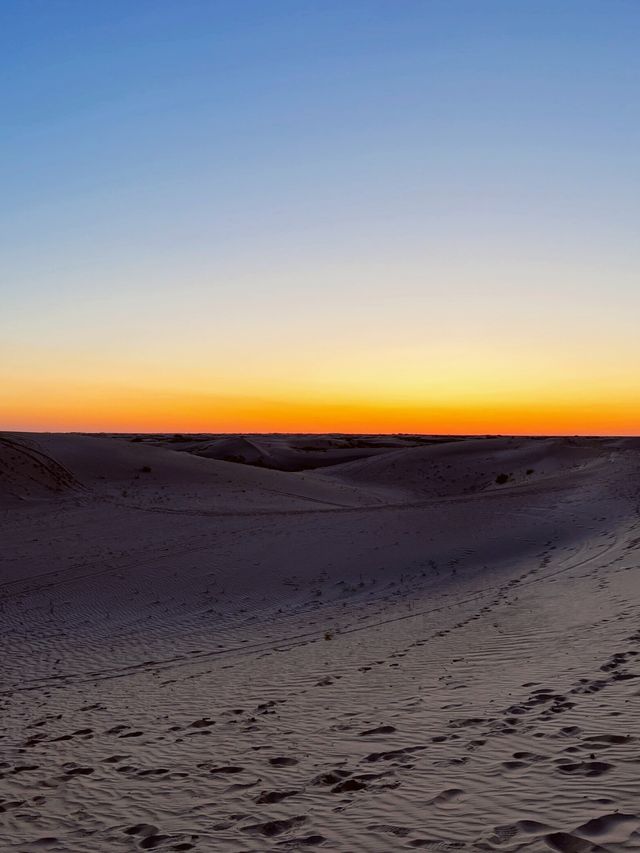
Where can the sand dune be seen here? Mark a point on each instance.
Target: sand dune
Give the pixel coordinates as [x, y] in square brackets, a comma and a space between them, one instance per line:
[291, 452]
[463, 467]
[393, 653]
[131, 473]
[28, 473]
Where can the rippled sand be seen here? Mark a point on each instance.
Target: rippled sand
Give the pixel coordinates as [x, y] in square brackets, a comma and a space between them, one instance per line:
[390, 653]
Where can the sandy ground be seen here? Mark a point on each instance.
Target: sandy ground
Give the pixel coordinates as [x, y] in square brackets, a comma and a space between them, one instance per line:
[390, 653]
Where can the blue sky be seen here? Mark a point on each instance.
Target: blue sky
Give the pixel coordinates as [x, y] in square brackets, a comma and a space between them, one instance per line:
[270, 182]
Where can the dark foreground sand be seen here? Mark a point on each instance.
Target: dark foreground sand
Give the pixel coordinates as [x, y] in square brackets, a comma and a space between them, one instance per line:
[388, 651]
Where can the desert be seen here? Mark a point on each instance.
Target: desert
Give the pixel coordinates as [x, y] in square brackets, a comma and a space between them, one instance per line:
[320, 426]
[335, 642]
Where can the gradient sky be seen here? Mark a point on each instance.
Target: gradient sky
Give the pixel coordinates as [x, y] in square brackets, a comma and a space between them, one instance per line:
[366, 215]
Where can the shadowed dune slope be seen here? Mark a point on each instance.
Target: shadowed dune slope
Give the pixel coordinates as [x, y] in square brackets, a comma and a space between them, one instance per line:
[116, 467]
[27, 473]
[292, 452]
[473, 465]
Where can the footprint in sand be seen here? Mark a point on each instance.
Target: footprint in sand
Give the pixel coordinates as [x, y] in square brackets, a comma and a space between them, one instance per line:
[447, 797]
[584, 768]
[275, 827]
[380, 730]
[274, 796]
[283, 761]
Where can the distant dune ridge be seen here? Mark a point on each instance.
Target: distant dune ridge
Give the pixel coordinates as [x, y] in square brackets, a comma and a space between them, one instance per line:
[351, 643]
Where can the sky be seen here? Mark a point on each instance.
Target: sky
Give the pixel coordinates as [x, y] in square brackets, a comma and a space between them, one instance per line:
[320, 215]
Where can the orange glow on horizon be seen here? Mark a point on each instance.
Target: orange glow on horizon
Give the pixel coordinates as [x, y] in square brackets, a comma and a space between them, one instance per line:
[448, 391]
[129, 411]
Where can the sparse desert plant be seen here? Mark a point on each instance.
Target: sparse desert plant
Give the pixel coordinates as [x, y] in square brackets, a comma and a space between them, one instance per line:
[146, 469]
[530, 471]
[501, 479]
[328, 635]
